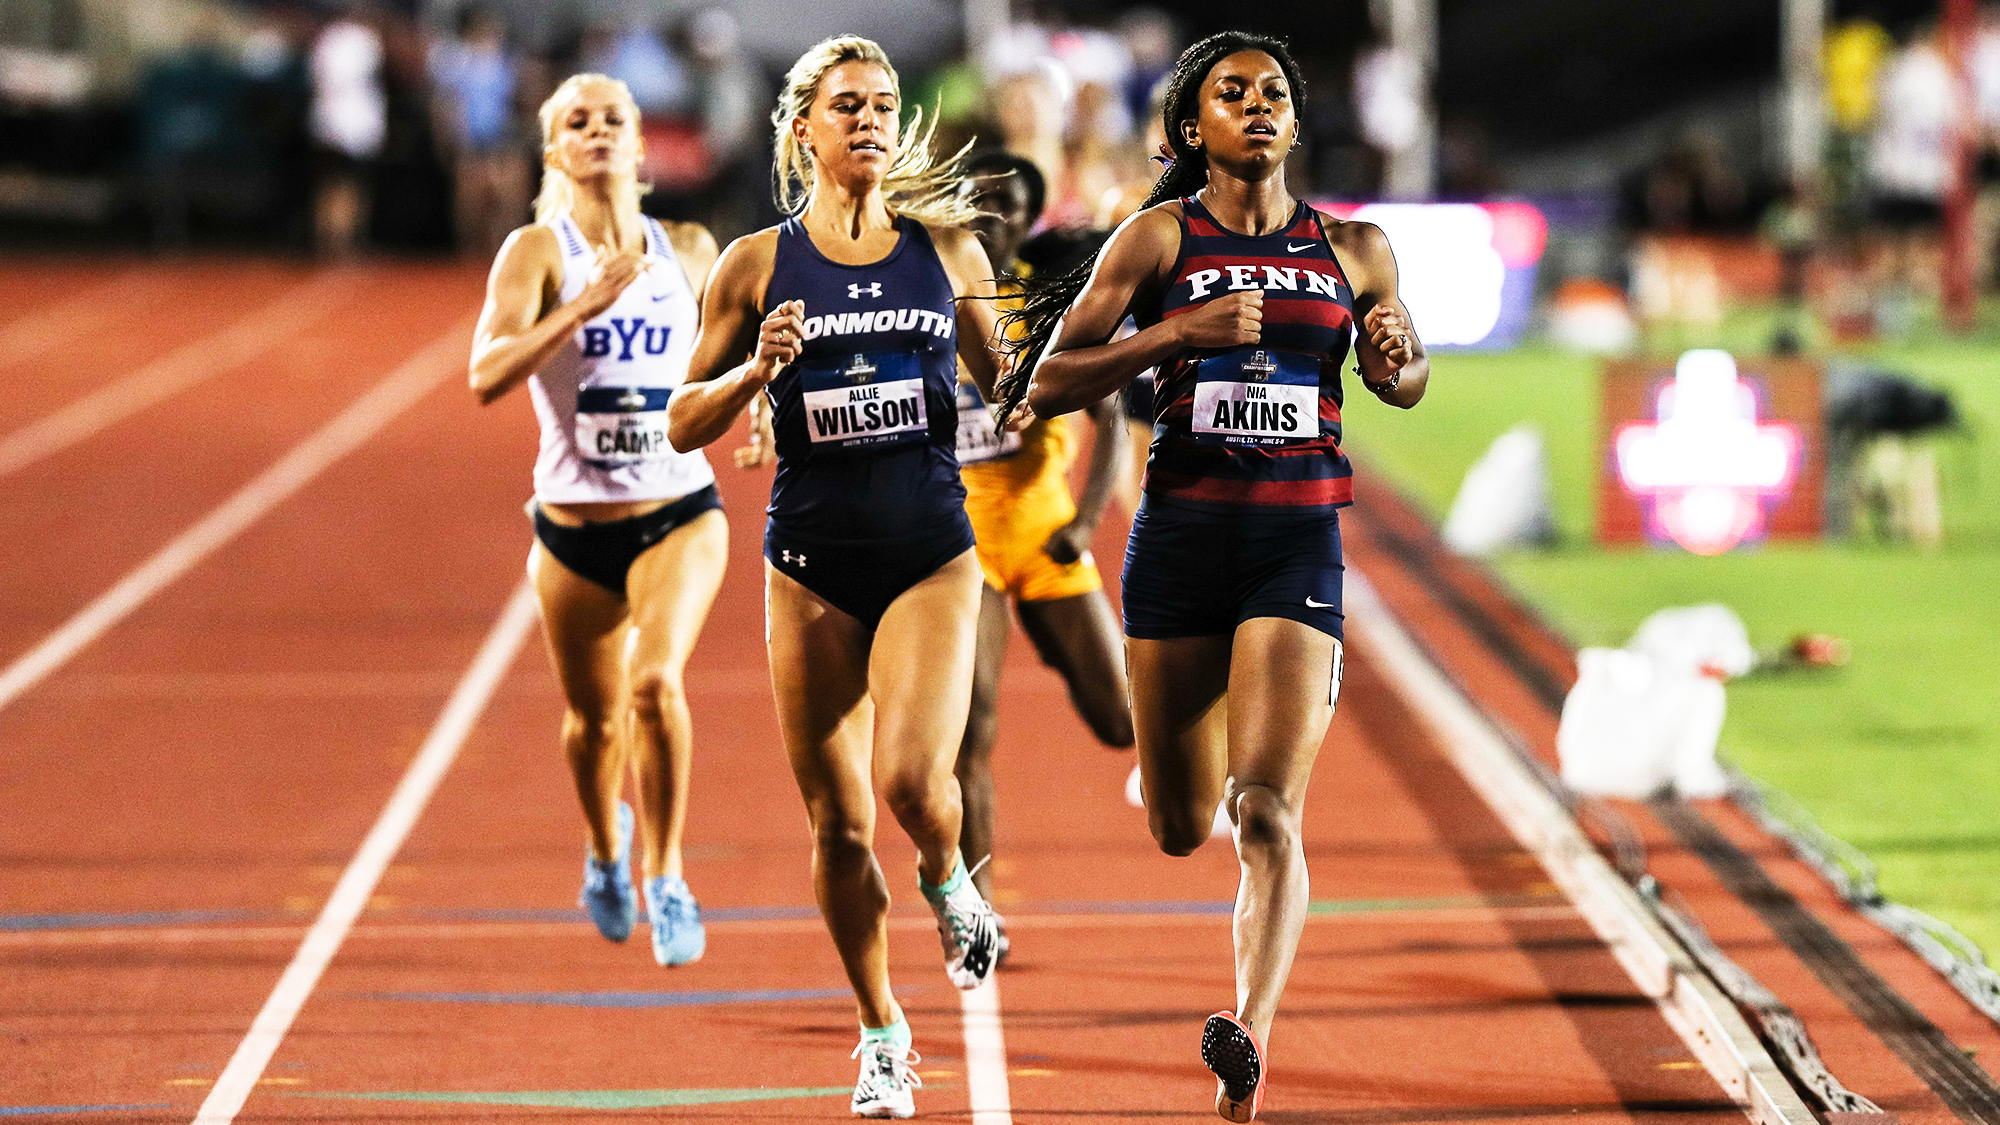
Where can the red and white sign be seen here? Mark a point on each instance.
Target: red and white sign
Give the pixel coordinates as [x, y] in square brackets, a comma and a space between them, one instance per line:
[1705, 465]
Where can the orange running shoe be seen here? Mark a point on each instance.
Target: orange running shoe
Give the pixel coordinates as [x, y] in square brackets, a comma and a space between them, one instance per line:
[1228, 1048]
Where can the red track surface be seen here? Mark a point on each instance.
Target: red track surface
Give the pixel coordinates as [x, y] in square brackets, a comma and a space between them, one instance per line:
[227, 747]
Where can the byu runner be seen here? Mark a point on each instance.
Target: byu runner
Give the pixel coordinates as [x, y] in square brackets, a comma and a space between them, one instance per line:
[1246, 299]
[596, 308]
[849, 318]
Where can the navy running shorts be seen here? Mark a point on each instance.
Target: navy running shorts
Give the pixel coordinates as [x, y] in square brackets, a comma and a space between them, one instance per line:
[1201, 574]
[605, 552]
[861, 577]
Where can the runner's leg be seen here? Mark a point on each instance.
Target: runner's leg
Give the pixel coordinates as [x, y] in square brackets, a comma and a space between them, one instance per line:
[920, 677]
[585, 626]
[1280, 690]
[672, 585]
[819, 676]
[975, 753]
[1078, 637]
[1179, 716]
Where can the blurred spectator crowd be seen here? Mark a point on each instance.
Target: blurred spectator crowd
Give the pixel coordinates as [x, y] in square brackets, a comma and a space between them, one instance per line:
[1712, 226]
[366, 125]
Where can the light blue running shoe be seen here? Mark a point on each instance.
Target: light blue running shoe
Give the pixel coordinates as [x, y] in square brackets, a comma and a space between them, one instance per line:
[678, 937]
[607, 885]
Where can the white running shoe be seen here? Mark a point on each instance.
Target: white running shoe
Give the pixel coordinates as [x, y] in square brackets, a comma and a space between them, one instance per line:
[969, 931]
[884, 1089]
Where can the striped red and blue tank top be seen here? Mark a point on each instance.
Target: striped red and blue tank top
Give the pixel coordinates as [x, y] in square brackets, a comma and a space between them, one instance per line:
[1255, 429]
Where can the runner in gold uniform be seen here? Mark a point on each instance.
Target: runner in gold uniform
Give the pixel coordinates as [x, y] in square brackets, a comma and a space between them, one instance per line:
[1033, 538]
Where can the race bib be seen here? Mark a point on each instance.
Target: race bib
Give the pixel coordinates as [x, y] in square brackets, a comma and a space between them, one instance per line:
[872, 400]
[1255, 397]
[978, 438]
[622, 425]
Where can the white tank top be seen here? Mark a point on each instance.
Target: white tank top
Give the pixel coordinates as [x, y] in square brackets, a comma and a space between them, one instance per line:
[602, 400]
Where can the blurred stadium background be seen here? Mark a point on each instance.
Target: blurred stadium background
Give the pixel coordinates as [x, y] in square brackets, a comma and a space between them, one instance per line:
[1570, 183]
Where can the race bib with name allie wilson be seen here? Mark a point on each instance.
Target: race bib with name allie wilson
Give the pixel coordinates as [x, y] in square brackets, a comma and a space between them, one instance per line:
[1254, 396]
[872, 400]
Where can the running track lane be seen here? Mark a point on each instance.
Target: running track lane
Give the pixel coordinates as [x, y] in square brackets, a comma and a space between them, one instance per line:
[256, 716]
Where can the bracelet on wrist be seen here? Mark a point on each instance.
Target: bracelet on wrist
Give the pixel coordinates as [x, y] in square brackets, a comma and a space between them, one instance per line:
[1394, 380]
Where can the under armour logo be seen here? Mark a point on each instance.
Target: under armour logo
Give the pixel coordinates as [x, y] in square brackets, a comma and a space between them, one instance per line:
[793, 557]
[873, 289]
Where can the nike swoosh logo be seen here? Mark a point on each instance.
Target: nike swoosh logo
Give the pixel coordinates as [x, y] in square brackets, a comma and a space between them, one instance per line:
[1291, 249]
[663, 296]
[1311, 604]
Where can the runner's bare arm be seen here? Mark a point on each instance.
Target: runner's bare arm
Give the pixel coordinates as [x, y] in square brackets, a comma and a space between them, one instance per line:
[696, 249]
[720, 383]
[519, 330]
[971, 274]
[1107, 464]
[1386, 347]
[1083, 364]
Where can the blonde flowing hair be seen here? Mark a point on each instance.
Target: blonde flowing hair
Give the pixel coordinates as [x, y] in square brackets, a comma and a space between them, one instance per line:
[916, 185]
[558, 190]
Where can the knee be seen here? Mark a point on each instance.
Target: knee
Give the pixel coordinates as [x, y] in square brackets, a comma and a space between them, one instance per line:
[1113, 727]
[840, 835]
[1265, 820]
[913, 799]
[1178, 831]
[587, 734]
[656, 696]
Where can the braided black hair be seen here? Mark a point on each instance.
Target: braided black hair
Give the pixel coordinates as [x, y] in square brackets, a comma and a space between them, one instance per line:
[1030, 327]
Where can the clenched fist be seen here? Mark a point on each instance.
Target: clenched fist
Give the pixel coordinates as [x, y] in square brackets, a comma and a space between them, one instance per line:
[780, 340]
[1389, 331]
[1225, 322]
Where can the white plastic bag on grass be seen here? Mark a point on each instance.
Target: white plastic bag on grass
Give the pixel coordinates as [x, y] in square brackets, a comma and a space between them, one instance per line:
[1504, 501]
[1648, 715]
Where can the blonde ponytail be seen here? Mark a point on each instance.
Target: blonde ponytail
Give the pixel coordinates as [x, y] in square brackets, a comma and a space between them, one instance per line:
[916, 185]
[558, 192]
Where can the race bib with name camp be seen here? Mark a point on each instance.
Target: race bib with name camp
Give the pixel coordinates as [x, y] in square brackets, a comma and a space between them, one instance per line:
[978, 438]
[869, 400]
[622, 425]
[1255, 396]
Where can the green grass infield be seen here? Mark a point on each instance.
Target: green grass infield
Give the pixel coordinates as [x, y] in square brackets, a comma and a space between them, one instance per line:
[1897, 753]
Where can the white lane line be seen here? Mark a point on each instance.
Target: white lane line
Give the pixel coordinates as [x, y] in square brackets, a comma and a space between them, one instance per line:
[40, 331]
[394, 394]
[986, 1055]
[364, 871]
[242, 341]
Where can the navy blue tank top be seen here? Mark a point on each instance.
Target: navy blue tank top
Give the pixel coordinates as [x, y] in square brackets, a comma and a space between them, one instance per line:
[867, 417]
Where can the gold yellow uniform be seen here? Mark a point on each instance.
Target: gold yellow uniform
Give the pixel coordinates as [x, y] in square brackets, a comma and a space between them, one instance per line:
[1017, 495]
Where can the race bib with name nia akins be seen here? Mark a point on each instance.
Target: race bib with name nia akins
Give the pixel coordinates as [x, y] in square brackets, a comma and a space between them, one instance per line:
[868, 400]
[1256, 396]
[622, 425]
[978, 438]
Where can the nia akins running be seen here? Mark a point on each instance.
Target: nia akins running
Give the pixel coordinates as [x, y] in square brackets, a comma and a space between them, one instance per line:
[1246, 300]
